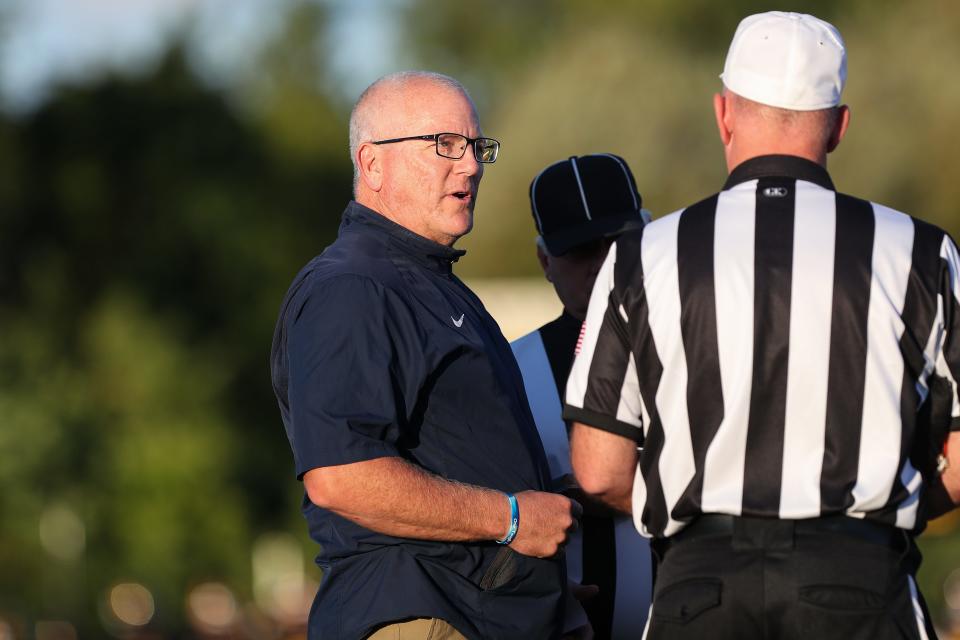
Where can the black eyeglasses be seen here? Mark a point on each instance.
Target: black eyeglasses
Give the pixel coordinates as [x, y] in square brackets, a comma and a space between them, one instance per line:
[454, 145]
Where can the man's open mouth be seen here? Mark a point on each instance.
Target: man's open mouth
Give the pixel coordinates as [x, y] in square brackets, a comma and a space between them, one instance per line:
[461, 195]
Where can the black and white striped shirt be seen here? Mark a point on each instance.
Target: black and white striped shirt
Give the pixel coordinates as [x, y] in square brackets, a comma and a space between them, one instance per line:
[773, 343]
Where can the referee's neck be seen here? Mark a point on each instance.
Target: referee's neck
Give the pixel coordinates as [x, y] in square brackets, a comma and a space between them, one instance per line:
[748, 130]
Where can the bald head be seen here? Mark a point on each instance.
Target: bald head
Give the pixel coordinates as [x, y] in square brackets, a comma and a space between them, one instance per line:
[388, 103]
[814, 126]
[407, 179]
[749, 129]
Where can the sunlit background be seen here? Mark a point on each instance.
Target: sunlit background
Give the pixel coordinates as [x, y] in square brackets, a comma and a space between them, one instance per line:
[166, 166]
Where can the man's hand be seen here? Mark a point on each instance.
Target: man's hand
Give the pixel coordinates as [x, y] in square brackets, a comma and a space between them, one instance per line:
[951, 475]
[546, 520]
[945, 493]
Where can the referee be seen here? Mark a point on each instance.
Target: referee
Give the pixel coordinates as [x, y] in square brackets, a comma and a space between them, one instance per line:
[579, 206]
[791, 355]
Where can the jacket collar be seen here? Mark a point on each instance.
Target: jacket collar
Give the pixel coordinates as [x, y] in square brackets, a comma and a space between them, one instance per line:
[422, 250]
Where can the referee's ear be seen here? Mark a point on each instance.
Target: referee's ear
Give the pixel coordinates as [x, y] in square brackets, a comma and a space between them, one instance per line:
[839, 127]
[722, 112]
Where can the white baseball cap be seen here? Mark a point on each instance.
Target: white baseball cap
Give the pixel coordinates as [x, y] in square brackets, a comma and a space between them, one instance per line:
[789, 60]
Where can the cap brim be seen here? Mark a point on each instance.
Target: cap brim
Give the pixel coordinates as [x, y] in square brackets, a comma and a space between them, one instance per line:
[559, 242]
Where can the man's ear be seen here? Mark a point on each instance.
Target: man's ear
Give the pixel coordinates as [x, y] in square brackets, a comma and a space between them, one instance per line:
[544, 261]
[721, 111]
[371, 166]
[839, 128]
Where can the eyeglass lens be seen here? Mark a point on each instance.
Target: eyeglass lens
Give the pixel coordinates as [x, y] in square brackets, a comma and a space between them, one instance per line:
[453, 145]
[487, 149]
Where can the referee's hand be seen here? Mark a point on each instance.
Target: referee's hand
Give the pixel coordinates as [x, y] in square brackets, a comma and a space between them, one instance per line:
[546, 520]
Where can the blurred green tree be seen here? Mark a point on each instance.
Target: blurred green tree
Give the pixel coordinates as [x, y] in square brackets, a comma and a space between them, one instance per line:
[148, 231]
[486, 46]
[556, 78]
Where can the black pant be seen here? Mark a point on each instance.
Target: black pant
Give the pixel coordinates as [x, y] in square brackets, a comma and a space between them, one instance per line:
[780, 579]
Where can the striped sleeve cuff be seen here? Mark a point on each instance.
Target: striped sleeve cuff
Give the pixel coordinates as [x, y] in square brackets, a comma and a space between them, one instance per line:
[603, 422]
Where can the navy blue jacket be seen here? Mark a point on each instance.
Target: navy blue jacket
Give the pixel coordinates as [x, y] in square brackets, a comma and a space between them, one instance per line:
[381, 351]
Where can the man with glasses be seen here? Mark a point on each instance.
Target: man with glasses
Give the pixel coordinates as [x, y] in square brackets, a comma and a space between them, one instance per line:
[426, 485]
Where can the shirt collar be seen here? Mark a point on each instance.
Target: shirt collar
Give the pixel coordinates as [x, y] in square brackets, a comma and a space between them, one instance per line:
[779, 166]
[427, 252]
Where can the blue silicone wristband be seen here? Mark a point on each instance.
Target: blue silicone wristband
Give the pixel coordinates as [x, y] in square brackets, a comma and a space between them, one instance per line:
[514, 520]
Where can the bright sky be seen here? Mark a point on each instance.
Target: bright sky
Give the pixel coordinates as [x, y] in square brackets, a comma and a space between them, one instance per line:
[45, 42]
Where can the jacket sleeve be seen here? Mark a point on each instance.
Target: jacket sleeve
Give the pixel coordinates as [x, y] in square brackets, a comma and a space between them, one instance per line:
[355, 372]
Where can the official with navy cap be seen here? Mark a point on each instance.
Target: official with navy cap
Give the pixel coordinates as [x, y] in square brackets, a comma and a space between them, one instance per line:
[790, 355]
[579, 206]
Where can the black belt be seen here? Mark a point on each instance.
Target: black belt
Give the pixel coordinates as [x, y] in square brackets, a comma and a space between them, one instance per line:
[718, 525]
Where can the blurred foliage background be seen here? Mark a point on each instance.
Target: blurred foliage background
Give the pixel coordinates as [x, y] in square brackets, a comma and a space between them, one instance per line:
[151, 220]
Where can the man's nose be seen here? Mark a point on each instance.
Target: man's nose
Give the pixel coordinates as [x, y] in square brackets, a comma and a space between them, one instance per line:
[468, 164]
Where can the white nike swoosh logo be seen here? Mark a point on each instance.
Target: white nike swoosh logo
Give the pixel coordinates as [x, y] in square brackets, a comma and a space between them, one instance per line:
[458, 323]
